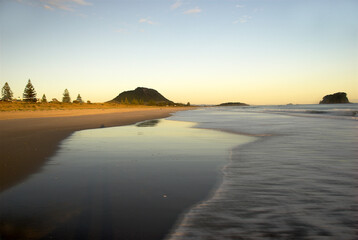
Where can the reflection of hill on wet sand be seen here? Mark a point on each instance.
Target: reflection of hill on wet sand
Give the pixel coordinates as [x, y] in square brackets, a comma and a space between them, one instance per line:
[150, 123]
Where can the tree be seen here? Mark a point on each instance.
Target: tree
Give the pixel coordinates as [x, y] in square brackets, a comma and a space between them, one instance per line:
[126, 101]
[79, 99]
[29, 93]
[152, 103]
[66, 96]
[6, 93]
[135, 101]
[44, 99]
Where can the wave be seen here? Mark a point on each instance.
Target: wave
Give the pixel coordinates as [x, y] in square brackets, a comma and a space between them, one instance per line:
[298, 181]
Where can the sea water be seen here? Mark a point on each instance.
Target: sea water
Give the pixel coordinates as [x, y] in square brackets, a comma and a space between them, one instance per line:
[298, 180]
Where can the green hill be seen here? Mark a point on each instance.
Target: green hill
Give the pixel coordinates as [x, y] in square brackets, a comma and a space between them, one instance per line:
[142, 95]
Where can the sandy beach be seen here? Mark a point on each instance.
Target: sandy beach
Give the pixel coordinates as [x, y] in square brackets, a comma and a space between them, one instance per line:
[128, 182]
[28, 139]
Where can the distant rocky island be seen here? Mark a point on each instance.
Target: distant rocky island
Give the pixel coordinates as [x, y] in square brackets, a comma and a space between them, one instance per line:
[233, 104]
[339, 97]
[142, 95]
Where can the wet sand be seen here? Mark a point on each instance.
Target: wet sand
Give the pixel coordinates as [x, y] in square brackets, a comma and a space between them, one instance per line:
[28, 139]
[130, 182]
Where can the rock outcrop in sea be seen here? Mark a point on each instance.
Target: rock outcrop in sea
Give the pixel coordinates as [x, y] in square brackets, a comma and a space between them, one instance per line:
[339, 97]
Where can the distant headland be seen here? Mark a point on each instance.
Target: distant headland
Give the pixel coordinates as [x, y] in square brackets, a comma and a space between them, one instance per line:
[232, 104]
[339, 97]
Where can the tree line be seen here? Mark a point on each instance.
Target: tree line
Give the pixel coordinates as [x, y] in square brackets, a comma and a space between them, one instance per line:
[30, 94]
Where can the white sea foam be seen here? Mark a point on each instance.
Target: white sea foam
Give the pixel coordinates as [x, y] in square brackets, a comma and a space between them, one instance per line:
[298, 181]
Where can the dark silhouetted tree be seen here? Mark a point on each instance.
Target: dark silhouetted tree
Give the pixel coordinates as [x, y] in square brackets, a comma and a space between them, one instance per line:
[29, 93]
[79, 99]
[66, 96]
[6, 93]
[44, 99]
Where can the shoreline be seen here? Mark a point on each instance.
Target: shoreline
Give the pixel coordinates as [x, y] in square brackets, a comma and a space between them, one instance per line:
[28, 139]
[145, 193]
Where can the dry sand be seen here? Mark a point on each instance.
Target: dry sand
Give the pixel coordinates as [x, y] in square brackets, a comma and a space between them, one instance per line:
[70, 112]
[28, 139]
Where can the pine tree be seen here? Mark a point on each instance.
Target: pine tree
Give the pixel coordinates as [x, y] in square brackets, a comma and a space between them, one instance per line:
[152, 103]
[135, 101]
[126, 101]
[44, 99]
[29, 93]
[6, 93]
[66, 96]
[79, 99]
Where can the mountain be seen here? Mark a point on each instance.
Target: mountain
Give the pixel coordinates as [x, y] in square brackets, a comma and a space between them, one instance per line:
[339, 97]
[142, 95]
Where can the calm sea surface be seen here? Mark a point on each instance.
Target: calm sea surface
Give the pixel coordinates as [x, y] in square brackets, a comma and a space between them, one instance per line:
[268, 172]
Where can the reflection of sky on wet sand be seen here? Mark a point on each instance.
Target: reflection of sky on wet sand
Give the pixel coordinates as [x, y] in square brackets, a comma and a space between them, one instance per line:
[123, 182]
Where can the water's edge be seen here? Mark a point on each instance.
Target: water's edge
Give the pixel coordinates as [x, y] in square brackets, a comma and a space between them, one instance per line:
[297, 181]
[183, 217]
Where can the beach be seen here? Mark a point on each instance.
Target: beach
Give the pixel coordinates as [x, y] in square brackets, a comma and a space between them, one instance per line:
[126, 182]
[29, 138]
[220, 172]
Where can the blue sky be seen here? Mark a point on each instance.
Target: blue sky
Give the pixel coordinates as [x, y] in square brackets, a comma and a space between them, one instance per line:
[213, 51]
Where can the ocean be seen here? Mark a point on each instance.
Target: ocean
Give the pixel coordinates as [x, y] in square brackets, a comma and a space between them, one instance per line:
[298, 180]
[256, 172]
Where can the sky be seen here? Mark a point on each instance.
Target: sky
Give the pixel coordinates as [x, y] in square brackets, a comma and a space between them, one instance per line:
[199, 51]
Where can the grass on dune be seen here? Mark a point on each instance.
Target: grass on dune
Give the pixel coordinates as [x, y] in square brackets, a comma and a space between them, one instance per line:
[25, 106]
